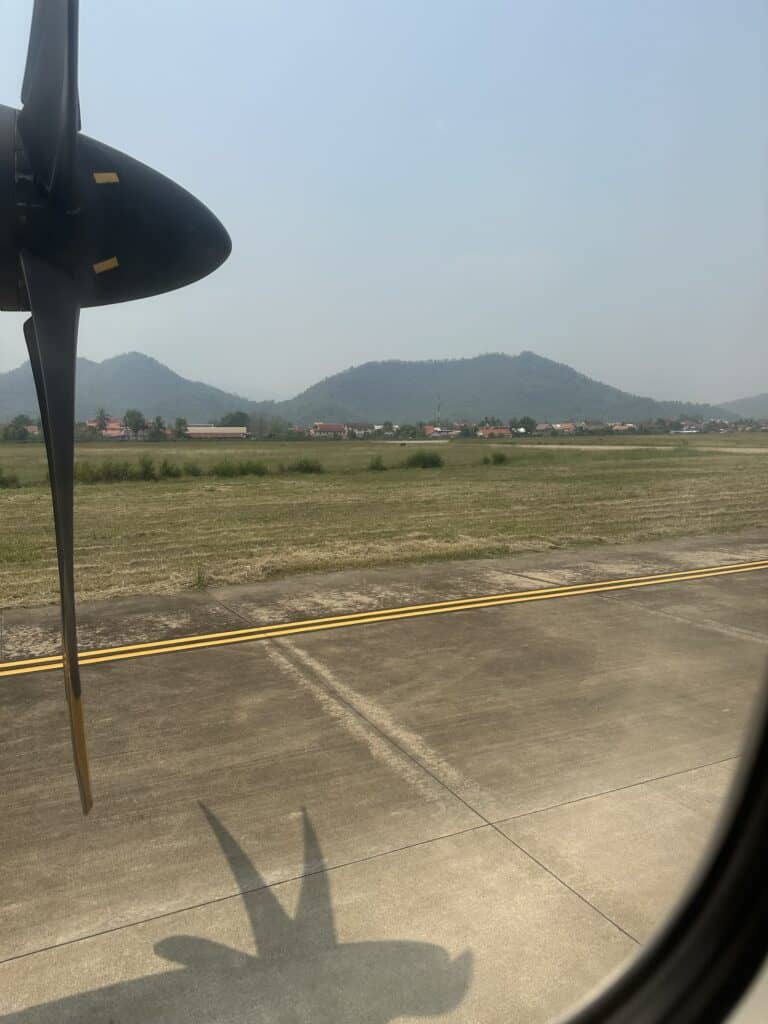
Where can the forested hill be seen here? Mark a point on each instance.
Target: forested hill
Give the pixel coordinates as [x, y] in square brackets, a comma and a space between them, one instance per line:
[128, 381]
[403, 392]
[755, 407]
[487, 385]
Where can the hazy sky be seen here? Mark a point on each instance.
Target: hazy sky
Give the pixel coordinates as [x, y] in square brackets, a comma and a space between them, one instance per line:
[428, 178]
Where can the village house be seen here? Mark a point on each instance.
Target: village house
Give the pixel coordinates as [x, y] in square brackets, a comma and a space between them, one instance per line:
[208, 432]
[359, 429]
[335, 430]
[114, 429]
[494, 432]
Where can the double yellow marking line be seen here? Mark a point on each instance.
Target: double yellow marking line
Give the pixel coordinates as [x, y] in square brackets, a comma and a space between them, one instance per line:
[239, 636]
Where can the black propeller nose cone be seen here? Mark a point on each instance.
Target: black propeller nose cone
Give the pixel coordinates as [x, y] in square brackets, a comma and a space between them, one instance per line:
[140, 233]
[205, 244]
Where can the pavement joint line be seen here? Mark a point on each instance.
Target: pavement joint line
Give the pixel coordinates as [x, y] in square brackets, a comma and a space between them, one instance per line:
[708, 625]
[236, 612]
[616, 789]
[243, 892]
[565, 885]
[253, 633]
[474, 809]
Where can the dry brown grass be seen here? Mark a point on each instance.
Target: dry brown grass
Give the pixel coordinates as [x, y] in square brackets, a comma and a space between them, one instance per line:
[171, 535]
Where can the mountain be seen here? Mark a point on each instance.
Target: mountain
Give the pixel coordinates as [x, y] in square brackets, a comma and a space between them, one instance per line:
[404, 392]
[755, 407]
[129, 381]
[487, 385]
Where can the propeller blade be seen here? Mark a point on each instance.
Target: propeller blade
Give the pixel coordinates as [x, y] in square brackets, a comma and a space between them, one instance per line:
[51, 337]
[49, 123]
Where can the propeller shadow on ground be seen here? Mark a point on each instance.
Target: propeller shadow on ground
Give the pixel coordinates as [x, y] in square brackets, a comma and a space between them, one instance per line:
[299, 972]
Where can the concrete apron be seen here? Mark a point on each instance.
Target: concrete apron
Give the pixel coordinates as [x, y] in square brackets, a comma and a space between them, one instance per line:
[472, 817]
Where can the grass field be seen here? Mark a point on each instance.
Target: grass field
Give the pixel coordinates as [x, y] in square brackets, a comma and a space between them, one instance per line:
[743, 439]
[170, 535]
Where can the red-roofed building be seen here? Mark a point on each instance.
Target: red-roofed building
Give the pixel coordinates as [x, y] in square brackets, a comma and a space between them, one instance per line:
[328, 430]
[494, 432]
[114, 429]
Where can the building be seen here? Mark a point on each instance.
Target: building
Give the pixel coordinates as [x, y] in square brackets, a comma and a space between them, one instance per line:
[359, 429]
[207, 432]
[114, 429]
[328, 430]
[494, 432]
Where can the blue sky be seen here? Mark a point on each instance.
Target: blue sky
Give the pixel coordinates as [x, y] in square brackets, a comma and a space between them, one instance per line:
[412, 179]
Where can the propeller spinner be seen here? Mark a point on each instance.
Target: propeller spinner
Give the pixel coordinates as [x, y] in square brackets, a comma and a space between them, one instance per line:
[81, 225]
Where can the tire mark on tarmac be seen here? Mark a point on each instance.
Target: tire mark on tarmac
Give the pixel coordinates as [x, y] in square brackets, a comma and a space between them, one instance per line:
[356, 725]
[411, 743]
[432, 764]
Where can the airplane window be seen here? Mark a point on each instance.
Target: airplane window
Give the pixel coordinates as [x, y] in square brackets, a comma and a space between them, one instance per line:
[383, 600]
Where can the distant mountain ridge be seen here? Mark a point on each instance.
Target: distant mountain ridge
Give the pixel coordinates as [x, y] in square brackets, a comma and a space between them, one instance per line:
[754, 407]
[494, 384]
[128, 381]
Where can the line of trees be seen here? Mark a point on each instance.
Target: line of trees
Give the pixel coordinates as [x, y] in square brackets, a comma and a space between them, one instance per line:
[17, 430]
[258, 425]
[140, 428]
[153, 430]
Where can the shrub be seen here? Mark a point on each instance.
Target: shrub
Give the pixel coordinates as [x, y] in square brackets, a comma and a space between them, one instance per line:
[8, 480]
[499, 458]
[224, 468]
[86, 472]
[111, 470]
[486, 460]
[306, 465]
[376, 464]
[424, 460]
[146, 469]
[200, 578]
[250, 467]
[169, 469]
[192, 469]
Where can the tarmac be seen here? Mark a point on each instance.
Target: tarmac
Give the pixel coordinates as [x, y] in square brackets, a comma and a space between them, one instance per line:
[475, 816]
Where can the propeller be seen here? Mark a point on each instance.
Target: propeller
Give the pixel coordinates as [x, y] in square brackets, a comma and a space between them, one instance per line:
[81, 224]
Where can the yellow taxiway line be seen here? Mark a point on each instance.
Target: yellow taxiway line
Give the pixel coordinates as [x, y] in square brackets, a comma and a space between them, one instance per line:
[237, 636]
